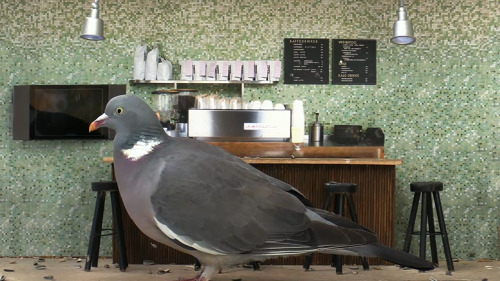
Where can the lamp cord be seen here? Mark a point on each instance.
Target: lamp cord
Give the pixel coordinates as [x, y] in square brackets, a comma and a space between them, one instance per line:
[95, 5]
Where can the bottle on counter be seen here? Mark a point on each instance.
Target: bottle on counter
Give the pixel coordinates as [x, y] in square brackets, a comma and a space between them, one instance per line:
[316, 131]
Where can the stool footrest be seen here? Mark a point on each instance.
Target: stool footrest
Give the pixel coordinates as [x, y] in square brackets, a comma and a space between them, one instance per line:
[428, 233]
[107, 234]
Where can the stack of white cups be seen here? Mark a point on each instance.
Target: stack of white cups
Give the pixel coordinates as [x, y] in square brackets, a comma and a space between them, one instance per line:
[298, 122]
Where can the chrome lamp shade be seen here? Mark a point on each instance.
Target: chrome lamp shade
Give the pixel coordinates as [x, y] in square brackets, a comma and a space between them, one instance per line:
[93, 28]
[403, 28]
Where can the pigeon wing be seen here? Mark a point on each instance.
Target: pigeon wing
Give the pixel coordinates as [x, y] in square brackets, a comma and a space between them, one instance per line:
[214, 202]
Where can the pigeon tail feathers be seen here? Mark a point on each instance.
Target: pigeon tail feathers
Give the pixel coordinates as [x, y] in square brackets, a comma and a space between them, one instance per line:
[394, 256]
[361, 241]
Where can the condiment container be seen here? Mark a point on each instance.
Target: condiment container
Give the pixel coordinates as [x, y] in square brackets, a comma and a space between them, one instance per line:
[316, 130]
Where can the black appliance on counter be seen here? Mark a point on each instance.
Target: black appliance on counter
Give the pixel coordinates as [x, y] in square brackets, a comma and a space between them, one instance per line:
[353, 135]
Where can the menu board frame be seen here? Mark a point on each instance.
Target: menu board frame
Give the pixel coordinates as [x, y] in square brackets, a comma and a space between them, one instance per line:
[354, 62]
[307, 61]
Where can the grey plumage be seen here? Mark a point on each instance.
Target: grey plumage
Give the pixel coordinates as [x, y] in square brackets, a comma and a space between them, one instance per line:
[202, 200]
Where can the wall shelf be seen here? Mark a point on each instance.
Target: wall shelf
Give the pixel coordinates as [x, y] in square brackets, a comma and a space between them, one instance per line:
[187, 82]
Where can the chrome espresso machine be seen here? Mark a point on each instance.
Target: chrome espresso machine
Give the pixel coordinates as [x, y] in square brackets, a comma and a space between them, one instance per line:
[240, 124]
[182, 117]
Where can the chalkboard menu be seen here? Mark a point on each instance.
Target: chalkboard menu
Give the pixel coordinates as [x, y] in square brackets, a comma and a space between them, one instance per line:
[354, 62]
[306, 61]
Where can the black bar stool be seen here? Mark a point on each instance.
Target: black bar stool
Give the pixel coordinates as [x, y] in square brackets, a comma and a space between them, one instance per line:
[97, 231]
[342, 191]
[428, 190]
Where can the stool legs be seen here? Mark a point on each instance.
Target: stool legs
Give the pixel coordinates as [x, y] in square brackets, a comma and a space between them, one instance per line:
[309, 257]
[427, 220]
[354, 218]
[117, 220]
[255, 265]
[432, 230]
[327, 202]
[411, 224]
[444, 233]
[307, 261]
[338, 209]
[95, 233]
[423, 226]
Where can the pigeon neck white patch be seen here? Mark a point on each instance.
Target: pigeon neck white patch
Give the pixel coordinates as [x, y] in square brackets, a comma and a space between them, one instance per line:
[140, 149]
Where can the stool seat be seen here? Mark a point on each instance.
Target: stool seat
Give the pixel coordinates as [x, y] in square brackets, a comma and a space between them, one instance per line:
[340, 187]
[428, 186]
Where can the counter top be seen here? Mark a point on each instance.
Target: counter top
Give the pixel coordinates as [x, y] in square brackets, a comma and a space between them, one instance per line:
[291, 150]
[289, 153]
[328, 161]
[312, 161]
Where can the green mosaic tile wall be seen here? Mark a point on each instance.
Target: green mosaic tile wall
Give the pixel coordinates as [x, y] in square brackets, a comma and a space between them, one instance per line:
[436, 100]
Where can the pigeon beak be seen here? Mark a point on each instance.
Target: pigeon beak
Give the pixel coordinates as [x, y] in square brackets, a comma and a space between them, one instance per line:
[98, 122]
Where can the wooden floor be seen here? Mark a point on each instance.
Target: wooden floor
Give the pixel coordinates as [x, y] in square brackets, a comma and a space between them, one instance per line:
[64, 269]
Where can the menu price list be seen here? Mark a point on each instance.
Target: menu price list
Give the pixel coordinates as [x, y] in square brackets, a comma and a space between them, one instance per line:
[354, 62]
[306, 61]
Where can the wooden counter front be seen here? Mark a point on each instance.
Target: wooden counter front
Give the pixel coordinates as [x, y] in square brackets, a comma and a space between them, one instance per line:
[375, 199]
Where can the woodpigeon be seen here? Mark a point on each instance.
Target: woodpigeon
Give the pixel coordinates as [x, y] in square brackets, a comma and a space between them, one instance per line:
[201, 200]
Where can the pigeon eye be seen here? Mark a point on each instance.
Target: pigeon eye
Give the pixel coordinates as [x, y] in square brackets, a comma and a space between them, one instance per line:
[119, 110]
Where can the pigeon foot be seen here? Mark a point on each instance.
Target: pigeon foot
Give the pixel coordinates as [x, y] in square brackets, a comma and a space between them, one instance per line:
[204, 274]
[196, 278]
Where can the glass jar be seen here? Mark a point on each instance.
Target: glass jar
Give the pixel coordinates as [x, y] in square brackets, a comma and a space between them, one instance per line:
[183, 102]
[163, 105]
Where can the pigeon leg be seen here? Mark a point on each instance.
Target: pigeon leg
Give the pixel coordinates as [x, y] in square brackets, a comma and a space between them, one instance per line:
[196, 278]
[204, 274]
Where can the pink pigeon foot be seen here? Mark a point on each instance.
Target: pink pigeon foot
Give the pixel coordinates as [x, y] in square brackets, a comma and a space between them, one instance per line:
[204, 275]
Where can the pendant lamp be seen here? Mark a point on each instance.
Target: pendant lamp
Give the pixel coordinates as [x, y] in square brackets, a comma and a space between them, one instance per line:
[92, 29]
[403, 28]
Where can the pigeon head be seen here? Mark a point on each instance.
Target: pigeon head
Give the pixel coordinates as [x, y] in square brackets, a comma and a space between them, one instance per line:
[126, 113]
[135, 123]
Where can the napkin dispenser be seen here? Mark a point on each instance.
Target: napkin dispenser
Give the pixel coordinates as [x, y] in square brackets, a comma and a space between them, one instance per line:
[239, 125]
